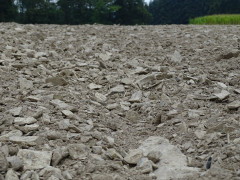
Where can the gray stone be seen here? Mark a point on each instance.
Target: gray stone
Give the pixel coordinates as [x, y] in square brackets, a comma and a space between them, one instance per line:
[6, 137]
[15, 162]
[25, 84]
[11, 175]
[26, 140]
[68, 114]
[34, 159]
[53, 135]
[64, 124]
[145, 166]
[234, 105]
[102, 177]
[112, 106]
[113, 154]
[3, 162]
[78, 151]
[117, 89]
[26, 175]
[58, 155]
[154, 156]
[24, 121]
[200, 134]
[51, 172]
[100, 97]
[16, 111]
[28, 128]
[134, 156]
[222, 95]
[61, 105]
[97, 149]
[93, 86]
[136, 97]
[176, 57]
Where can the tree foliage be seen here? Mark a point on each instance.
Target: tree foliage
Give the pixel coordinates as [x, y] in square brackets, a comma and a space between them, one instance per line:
[8, 10]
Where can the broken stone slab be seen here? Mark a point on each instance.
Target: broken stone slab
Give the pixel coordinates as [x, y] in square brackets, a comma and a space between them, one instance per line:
[64, 124]
[33, 160]
[78, 151]
[62, 105]
[222, 95]
[127, 81]
[173, 163]
[24, 121]
[33, 98]
[28, 128]
[100, 97]
[117, 89]
[134, 156]
[15, 162]
[11, 175]
[16, 111]
[26, 140]
[68, 114]
[93, 86]
[136, 97]
[234, 105]
[6, 137]
[56, 81]
[222, 85]
[25, 84]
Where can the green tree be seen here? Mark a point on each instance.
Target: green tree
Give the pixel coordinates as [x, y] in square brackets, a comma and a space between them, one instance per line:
[8, 10]
[132, 12]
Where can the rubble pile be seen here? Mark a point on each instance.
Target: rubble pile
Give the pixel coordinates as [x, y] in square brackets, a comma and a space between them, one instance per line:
[98, 102]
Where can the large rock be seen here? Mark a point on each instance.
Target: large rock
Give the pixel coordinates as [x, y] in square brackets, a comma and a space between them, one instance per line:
[11, 175]
[173, 163]
[34, 159]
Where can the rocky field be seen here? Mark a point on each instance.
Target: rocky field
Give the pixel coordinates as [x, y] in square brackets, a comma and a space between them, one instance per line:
[97, 102]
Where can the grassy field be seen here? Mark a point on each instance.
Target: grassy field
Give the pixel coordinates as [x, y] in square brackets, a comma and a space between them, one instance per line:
[217, 19]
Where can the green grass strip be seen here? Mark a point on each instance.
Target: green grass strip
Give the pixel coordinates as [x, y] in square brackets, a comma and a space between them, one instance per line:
[217, 19]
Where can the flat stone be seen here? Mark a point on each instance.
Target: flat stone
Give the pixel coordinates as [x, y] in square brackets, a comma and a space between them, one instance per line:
[234, 105]
[222, 95]
[16, 111]
[173, 163]
[93, 86]
[136, 97]
[222, 85]
[61, 105]
[51, 173]
[33, 98]
[64, 124]
[24, 121]
[28, 128]
[26, 140]
[6, 137]
[102, 177]
[134, 156]
[34, 159]
[100, 97]
[68, 114]
[112, 106]
[117, 89]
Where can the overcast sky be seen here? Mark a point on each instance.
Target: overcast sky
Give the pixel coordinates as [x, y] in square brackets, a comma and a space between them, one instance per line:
[147, 1]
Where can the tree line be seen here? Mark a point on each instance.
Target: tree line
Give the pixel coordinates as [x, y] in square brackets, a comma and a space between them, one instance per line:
[125, 12]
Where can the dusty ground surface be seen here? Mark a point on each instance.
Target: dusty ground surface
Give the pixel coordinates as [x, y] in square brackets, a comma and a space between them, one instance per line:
[74, 100]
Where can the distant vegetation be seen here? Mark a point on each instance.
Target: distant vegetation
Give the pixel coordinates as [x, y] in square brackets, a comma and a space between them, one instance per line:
[124, 12]
[217, 19]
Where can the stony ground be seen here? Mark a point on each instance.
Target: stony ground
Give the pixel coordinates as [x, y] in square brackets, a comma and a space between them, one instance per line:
[119, 102]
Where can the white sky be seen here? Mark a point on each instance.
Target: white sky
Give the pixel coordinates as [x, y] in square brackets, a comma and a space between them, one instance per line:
[147, 1]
